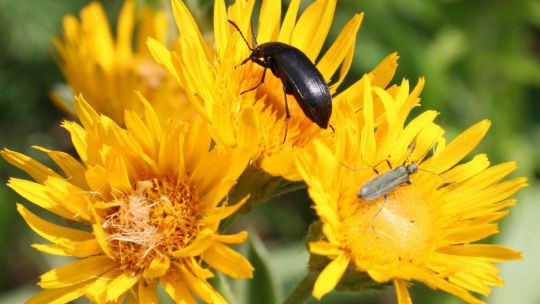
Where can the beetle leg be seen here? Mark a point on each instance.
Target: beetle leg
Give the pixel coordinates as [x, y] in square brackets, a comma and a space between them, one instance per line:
[377, 214]
[287, 114]
[260, 82]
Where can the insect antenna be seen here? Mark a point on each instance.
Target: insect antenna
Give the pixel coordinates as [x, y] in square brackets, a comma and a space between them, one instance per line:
[446, 179]
[377, 214]
[239, 31]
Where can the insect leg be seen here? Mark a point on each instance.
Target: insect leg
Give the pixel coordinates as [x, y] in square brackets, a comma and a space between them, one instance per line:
[377, 214]
[262, 78]
[287, 114]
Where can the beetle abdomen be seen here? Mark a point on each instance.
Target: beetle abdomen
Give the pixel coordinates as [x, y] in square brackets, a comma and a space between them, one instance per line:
[301, 79]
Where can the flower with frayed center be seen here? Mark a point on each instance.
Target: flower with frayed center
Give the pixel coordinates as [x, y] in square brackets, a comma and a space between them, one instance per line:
[152, 195]
[108, 71]
[214, 78]
[425, 230]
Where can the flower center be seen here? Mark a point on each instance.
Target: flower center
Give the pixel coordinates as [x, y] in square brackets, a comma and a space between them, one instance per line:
[396, 228]
[157, 218]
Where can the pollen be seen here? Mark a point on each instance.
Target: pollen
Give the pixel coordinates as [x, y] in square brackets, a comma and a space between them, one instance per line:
[157, 218]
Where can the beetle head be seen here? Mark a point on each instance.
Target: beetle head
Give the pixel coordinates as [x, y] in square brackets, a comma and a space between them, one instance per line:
[412, 168]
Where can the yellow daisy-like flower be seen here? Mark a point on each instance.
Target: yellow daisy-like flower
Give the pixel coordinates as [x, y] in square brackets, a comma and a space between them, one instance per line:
[214, 79]
[151, 196]
[425, 230]
[107, 71]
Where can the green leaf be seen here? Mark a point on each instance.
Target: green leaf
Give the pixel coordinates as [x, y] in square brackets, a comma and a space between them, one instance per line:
[263, 288]
[221, 284]
[261, 187]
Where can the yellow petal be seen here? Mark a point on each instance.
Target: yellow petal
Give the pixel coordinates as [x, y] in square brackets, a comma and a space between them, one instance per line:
[101, 236]
[118, 175]
[288, 22]
[489, 176]
[72, 168]
[35, 169]
[216, 186]
[124, 33]
[94, 21]
[281, 164]
[494, 253]
[97, 290]
[177, 289]
[385, 71]
[147, 292]
[138, 129]
[86, 114]
[324, 248]
[197, 143]
[76, 249]
[228, 261]
[402, 292]
[204, 240]
[341, 51]
[188, 28]
[330, 276]
[458, 148]
[78, 138]
[269, 20]
[221, 29]
[162, 56]
[37, 194]
[200, 287]
[368, 143]
[219, 213]
[237, 238]
[157, 268]
[248, 131]
[455, 290]
[152, 24]
[120, 285]
[467, 170]
[76, 272]
[313, 26]
[470, 234]
[72, 198]
[59, 295]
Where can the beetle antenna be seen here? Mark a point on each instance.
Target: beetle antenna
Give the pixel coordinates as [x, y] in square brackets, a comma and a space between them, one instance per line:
[239, 31]
[446, 179]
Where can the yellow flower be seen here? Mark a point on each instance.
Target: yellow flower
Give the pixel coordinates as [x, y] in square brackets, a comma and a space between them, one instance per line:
[214, 79]
[108, 71]
[426, 230]
[148, 198]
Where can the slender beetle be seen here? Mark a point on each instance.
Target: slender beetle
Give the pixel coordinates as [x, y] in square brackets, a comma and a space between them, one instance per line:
[386, 182]
[298, 75]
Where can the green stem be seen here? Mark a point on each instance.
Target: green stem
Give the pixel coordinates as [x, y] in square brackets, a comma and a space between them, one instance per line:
[303, 290]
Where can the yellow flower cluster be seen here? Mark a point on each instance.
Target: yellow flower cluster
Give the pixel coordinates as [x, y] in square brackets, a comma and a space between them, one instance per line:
[165, 132]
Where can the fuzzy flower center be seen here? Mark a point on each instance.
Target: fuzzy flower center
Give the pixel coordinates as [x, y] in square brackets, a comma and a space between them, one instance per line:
[398, 228]
[157, 218]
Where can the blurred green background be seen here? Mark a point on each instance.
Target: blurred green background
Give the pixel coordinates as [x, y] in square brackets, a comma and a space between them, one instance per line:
[481, 59]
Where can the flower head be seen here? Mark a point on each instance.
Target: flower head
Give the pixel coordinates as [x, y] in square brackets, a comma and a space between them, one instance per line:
[151, 196]
[215, 79]
[108, 70]
[425, 230]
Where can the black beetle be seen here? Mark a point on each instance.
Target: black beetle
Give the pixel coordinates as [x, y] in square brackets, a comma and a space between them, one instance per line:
[299, 76]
